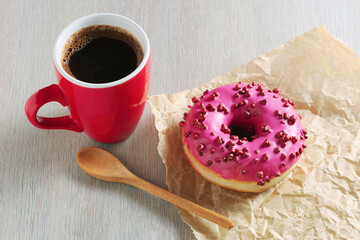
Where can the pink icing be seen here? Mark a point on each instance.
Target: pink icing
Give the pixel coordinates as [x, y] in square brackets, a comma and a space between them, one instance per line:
[263, 115]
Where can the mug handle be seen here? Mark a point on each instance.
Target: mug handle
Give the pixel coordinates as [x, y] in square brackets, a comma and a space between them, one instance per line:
[37, 100]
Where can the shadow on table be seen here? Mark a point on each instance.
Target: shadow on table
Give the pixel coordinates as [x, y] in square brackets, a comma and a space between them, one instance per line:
[51, 157]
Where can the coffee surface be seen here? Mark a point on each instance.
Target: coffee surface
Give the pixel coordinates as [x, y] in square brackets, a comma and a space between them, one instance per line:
[101, 54]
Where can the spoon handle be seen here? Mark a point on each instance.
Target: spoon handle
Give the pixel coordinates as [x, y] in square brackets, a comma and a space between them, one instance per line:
[181, 202]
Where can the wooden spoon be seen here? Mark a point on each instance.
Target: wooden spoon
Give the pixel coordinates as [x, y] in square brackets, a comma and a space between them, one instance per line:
[103, 165]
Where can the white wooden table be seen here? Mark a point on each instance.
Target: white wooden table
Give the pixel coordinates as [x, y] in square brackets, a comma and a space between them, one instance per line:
[43, 192]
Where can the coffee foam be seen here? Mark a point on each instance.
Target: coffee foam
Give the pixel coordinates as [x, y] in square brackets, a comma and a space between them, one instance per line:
[82, 37]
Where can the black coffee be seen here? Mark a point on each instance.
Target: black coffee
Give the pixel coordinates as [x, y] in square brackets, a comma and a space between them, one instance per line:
[101, 54]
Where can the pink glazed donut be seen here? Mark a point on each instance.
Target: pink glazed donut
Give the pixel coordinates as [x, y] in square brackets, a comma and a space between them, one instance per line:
[243, 136]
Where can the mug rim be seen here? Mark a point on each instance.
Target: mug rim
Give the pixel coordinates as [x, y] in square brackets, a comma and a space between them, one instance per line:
[142, 64]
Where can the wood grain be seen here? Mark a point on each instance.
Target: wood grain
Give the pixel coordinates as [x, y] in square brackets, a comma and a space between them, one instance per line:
[43, 193]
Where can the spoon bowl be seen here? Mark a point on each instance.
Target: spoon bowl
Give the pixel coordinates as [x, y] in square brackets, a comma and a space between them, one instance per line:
[103, 165]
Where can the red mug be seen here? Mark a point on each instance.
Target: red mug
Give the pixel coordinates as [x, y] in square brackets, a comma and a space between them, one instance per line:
[106, 112]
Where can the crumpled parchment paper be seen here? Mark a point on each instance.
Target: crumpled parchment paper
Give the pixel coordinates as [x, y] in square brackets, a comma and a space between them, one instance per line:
[321, 197]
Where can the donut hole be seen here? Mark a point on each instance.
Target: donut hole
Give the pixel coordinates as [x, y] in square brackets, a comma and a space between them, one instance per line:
[243, 130]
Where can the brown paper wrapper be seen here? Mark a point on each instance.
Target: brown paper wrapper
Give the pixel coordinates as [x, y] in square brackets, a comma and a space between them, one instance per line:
[320, 198]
